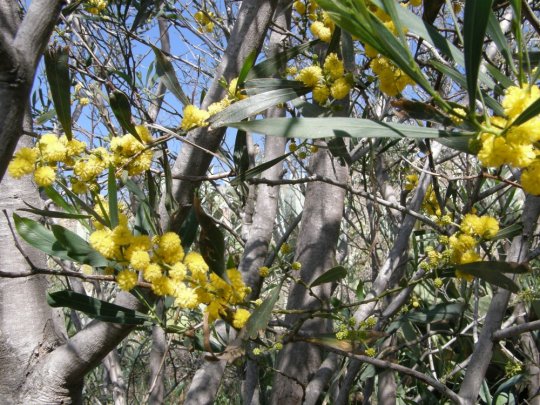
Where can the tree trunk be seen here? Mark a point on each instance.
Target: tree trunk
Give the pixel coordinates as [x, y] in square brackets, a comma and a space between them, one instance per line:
[316, 248]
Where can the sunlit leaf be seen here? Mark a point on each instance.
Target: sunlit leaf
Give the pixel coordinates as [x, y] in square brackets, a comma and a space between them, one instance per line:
[165, 71]
[97, 309]
[261, 315]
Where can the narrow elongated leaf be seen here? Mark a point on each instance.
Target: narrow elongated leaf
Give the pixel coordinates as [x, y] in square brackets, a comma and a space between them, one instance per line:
[261, 315]
[257, 86]
[165, 71]
[211, 240]
[58, 242]
[495, 32]
[53, 214]
[334, 274]
[495, 267]
[313, 128]
[437, 313]
[57, 69]
[121, 108]
[492, 273]
[254, 105]
[97, 309]
[278, 63]
[246, 67]
[474, 30]
[112, 197]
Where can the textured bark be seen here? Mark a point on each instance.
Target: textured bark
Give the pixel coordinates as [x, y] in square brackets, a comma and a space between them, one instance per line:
[483, 350]
[529, 346]
[316, 248]
[116, 378]
[29, 328]
[247, 36]
[21, 46]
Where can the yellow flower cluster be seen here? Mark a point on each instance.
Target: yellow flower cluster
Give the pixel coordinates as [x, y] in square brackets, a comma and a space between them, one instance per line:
[50, 151]
[130, 153]
[204, 20]
[516, 145]
[411, 181]
[330, 80]
[392, 80]
[43, 159]
[309, 7]
[461, 248]
[194, 117]
[161, 262]
[95, 6]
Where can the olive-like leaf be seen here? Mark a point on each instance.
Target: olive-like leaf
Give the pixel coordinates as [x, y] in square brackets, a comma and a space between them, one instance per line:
[165, 71]
[57, 69]
[334, 274]
[261, 315]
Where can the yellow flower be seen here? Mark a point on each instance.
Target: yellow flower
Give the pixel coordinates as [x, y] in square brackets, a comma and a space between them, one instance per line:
[333, 66]
[321, 94]
[44, 176]
[126, 280]
[144, 133]
[51, 148]
[170, 248]
[310, 76]
[240, 318]
[185, 296]
[102, 241]
[139, 260]
[300, 7]
[530, 178]
[464, 276]
[340, 88]
[411, 181]
[517, 99]
[194, 117]
[162, 286]
[152, 272]
[319, 30]
[296, 266]
[19, 167]
[178, 271]
[264, 271]
[415, 3]
[196, 264]
[138, 243]
[78, 187]
[121, 235]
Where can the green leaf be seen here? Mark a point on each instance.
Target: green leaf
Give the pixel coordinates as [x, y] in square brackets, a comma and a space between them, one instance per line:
[246, 67]
[53, 214]
[97, 309]
[474, 31]
[278, 63]
[188, 230]
[313, 128]
[57, 69]
[257, 86]
[255, 171]
[261, 315]
[532, 111]
[121, 108]
[492, 273]
[495, 266]
[495, 32]
[339, 150]
[334, 274]
[60, 242]
[437, 313]
[165, 71]
[211, 240]
[113, 198]
[254, 105]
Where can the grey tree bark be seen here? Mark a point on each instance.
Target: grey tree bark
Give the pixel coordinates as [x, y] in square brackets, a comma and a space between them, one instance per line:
[21, 45]
[319, 232]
